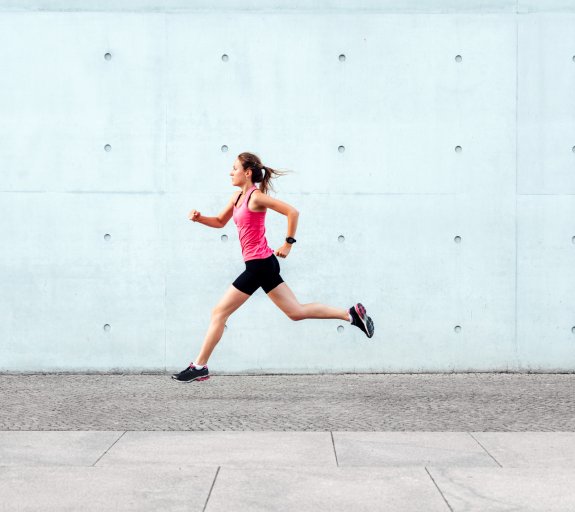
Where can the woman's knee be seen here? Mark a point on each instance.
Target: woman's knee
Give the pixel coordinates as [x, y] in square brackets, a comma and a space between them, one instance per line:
[233, 299]
[220, 314]
[297, 314]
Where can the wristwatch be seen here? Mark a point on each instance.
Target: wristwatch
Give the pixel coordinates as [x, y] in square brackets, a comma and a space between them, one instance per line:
[290, 240]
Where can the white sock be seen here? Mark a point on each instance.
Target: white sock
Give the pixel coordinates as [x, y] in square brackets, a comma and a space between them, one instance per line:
[350, 317]
[198, 366]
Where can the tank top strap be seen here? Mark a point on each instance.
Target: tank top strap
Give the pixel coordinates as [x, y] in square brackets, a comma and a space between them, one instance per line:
[247, 198]
[250, 194]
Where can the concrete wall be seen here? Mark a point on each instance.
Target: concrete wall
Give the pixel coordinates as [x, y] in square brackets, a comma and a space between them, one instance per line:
[434, 175]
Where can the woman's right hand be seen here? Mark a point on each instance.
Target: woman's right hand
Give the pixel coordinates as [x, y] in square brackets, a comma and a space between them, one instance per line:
[194, 215]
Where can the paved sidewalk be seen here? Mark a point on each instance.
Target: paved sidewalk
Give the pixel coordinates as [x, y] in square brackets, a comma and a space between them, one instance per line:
[267, 443]
[347, 402]
[287, 471]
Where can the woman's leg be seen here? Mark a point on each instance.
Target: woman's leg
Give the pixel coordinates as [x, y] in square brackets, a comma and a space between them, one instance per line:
[284, 299]
[232, 300]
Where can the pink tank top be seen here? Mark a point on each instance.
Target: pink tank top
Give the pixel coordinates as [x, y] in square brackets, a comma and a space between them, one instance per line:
[251, 228]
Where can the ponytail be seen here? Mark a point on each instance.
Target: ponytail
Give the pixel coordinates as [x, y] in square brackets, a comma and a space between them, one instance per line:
[260, 173]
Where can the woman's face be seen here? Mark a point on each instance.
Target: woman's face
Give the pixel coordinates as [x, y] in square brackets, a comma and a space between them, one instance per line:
[238, 174]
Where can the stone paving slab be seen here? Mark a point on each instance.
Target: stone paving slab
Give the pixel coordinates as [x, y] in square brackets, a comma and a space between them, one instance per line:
[196, 488]
[242, 449]
[288, 449]
[506, 489]
[325, 490]
[528, 449]
[90, 489]
[54, 448]
[221, 471]
[343, 402]
[409, 449]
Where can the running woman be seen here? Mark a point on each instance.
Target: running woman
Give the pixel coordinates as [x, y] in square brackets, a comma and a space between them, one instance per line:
[248, 209]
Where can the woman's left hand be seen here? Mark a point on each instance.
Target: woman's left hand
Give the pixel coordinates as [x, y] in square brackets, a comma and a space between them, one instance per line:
[283, 251]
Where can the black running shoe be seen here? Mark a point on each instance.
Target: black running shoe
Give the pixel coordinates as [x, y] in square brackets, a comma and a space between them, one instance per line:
[191, 373]
[361, 320]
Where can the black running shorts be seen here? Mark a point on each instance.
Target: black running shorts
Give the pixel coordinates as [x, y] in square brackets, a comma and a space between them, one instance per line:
[263, 272]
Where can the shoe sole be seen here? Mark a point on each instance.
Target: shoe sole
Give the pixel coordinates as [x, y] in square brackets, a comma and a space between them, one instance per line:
[199, 379]
[366, 320]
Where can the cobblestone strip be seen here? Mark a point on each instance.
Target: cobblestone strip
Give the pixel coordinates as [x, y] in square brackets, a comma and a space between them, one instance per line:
[344, 402]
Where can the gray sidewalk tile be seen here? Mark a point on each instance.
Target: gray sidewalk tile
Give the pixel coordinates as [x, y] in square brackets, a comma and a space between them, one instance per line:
[506, 489]
[325, 489]
[409, 448]
[76, 448]
[530, 449]
[127, 488]
[243, 449]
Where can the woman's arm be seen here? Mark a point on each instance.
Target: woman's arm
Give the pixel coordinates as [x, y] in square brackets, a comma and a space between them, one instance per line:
[215, 222]
[212, 222]
[292, 218]
[263, 200]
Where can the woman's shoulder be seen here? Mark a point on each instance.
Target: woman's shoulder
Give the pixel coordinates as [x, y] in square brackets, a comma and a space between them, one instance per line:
[255, 197]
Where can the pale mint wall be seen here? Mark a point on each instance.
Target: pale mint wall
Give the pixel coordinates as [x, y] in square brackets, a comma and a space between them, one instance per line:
[400, 103]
